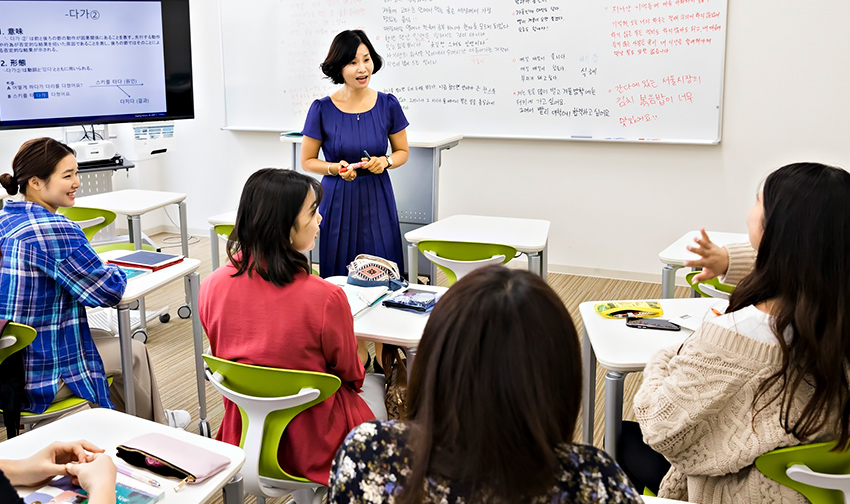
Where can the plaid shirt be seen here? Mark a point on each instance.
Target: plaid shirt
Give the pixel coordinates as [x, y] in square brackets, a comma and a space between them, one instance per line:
[49, 272]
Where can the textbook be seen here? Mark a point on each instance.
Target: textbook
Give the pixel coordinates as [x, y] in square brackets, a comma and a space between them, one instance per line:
[623, 309]
[127, 491]
[413, 299]
[133, 272]
[146, 259]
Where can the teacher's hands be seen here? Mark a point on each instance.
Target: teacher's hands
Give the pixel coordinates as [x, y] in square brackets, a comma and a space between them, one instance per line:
[375, 164]
[345, 172]
[714, 259]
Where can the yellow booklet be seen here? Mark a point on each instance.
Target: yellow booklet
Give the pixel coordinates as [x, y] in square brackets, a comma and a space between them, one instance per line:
[623, 309]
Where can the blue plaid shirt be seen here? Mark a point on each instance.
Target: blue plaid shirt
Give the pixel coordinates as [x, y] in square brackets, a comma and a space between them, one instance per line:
[49, 272]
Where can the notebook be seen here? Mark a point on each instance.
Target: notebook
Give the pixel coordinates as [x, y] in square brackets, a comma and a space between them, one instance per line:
[147, 259]
[360, 298]
[127, 491]
[133, 272]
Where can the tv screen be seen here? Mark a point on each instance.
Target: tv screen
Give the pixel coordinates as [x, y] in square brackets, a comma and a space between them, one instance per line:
[94, 62]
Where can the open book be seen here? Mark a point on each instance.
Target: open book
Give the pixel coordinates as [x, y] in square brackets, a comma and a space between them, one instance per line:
[127, 491]
[360, 298]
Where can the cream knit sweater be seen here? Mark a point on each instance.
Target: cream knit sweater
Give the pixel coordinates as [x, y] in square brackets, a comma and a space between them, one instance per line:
[695, 408]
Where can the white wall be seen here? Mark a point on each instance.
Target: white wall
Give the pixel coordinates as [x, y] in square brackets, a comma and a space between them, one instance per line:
[613, 207]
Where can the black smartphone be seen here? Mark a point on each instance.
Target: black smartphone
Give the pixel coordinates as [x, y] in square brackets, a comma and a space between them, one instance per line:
[653, 323]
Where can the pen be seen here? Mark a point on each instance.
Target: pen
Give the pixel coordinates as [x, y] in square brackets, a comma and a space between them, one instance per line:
[138, 476]
[363, 299]
[366, 154]
[714, 310]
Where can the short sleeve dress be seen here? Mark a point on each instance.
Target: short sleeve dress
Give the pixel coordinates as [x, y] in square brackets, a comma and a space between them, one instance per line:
[358, 217]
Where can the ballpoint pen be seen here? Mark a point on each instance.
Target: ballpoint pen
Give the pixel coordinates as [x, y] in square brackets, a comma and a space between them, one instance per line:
[138, 476]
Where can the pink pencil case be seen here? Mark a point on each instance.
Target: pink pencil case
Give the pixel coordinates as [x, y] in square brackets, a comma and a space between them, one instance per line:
[172, 458]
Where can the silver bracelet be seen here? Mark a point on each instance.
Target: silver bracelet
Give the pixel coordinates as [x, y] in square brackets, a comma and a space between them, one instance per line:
[329, 169]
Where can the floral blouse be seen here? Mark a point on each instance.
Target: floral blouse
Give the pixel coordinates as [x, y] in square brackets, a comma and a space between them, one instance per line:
[373, 463]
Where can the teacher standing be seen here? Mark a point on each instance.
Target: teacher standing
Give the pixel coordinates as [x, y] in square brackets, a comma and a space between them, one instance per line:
[355, 125]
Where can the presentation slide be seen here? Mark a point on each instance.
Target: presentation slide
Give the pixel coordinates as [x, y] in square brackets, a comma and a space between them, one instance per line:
[81, 59]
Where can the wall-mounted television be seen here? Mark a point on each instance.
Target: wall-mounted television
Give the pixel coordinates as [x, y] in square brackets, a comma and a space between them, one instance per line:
[94, 62]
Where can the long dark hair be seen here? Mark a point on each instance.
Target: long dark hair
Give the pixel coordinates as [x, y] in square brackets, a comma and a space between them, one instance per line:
[36, 158]
[343, 50]
[803, 267]
[495, 388]
[268, 210]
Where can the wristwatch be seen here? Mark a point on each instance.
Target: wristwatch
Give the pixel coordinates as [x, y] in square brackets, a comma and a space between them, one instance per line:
[390, 161]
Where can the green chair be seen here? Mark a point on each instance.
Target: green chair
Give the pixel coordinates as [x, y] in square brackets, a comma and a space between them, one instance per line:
[821, 475]
[268, 399]
[709, 288]
[223, 230]
[16, 337]
[92, 220]
[457, 259]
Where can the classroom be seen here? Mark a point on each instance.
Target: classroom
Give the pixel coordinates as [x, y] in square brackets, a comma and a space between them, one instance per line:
[613, 206]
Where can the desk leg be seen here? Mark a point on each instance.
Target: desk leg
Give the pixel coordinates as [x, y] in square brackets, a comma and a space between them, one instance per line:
[184, 233]
[668, 281]
[544, 261]
[135, 223]
[588, 400]
[413, 264]
[194, 282]
[613, 410]
[411, 354]
[125, 341]
[214, 248]
[234, 491]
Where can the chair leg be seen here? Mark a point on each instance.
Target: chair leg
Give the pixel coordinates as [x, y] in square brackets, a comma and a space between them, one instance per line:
[261, 500]
[303, 496]
[234, 491]
[321, 492]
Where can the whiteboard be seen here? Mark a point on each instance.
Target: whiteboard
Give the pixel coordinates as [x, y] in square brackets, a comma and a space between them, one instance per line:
[614, 70]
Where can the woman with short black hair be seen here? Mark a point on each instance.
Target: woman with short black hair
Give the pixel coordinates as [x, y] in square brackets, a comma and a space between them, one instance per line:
[353, 128]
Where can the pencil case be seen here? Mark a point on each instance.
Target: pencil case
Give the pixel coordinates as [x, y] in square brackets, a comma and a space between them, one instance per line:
[172, 458]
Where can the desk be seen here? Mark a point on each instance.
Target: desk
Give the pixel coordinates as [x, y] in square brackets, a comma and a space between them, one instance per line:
[137, 288]
[133, 203]
[107, 429]
[416, 184]
[392, 326]
[675, 255]
[215, 220]
[623, 350]
[529, 236]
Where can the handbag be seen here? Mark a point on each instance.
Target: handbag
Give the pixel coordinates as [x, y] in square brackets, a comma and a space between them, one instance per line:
[373, 271]
[395, 369]
[172, 458]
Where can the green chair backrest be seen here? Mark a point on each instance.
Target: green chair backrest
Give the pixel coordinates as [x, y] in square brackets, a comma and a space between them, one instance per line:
[714, 282]
[261, 381]
[24, 334]
[465, 251]
[82, 214]
[223, 230]
[817, 457]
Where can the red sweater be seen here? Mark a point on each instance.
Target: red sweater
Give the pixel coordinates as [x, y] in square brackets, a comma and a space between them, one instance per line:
[305, 325]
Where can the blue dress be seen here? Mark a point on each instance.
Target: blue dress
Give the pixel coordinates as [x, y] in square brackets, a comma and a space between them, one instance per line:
[358, 217]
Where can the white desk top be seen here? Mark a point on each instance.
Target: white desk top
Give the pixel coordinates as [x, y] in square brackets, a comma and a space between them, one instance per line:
[414, 139]
[627, 349]
[391, 325]
[107, 429]
[223, 218]
[141, 285]
[676, 254]
[131, 201]
[525, 235]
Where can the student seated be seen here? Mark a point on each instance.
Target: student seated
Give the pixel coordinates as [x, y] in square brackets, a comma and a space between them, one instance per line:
[85, 462]
[49, 274]
[773, 371]
[264, 307]
[494, 396]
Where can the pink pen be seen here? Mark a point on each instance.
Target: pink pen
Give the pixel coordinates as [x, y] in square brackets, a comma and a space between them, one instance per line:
[138, 476]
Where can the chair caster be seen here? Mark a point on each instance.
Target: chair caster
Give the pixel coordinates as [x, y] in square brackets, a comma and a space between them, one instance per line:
[204, 428]
[164, 318]
[140, 335]
[184, 311]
